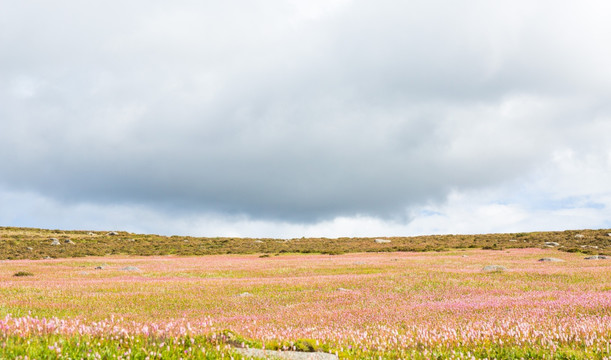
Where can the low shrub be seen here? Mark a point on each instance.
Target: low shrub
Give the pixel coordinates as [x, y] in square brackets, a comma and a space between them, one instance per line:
[23, 273]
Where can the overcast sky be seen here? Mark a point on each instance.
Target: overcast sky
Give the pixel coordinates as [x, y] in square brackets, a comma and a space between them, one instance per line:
[290, 118]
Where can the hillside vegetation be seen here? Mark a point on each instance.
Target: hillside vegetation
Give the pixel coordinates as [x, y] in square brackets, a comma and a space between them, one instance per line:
[29, 243]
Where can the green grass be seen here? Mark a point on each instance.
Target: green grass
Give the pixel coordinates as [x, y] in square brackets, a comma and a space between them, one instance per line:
[221, 346]
[85, 347]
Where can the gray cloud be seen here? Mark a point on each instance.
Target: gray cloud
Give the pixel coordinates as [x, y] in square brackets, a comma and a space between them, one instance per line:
[265, 109]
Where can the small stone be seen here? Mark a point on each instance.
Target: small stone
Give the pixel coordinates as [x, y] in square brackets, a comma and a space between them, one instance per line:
[55, 242]
[382, 241]
[513, 240]
[550, 260]
[551, 243]
[112, 233]
[90, 233]
[494, 268]
[30, 248]
[101, 267]
[258, 241]
[579, 236]
[130, 268]
[245, 294]
[343, 289]
[597, 257]
[48, 258]
[68, 241]
[465, 256]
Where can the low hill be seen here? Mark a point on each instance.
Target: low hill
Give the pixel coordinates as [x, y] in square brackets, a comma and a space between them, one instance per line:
[29, 243]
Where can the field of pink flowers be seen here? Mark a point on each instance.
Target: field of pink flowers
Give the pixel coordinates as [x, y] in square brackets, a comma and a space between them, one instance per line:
[389, 305]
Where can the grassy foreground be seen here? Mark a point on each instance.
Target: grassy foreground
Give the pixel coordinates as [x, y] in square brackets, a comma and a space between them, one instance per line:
[421, 305]
[26, 243]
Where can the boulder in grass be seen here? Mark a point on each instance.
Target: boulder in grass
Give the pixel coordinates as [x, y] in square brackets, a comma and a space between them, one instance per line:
[551, 260]
[245, 294]
[55, 242]
[551, 244]
[68, 241]
[290, 355]
[130, 268]
[597, 257]
[381, 241]
[493, 268]
[608, 234]
[112, 233]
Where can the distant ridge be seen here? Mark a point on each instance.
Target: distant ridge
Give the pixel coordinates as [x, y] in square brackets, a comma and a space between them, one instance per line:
[32, 243]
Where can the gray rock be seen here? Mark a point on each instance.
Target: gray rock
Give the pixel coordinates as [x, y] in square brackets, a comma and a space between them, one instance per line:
[290, 355]
[551, 243]
[597, 257]
[55, 242]
[608, 234]
[68, 241]
[90, 233]
[130, 268]
[30, 248]
[551, 260]
[258, 241]
[101, 267]
[494, 268]
[245, 294]
[382, 241]
[579, 236]
[112, 233]
[343, 289]
[513, 240]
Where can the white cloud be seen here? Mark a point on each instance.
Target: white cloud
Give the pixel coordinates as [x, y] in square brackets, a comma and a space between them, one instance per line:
[316, 118]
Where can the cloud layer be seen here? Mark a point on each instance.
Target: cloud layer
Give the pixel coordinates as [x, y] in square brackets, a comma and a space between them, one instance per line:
[276, 112]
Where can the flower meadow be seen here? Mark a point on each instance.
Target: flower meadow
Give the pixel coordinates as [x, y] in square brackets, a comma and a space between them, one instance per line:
[432, 305]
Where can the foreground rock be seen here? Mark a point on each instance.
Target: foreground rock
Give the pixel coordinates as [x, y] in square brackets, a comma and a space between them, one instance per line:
[494, 268]
[292, 355]
[551, 244]
[551, 260]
